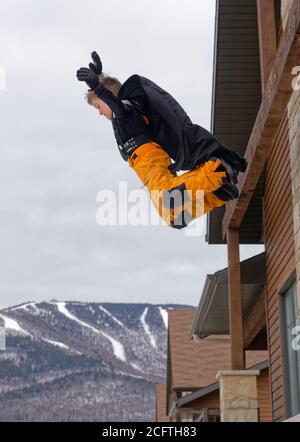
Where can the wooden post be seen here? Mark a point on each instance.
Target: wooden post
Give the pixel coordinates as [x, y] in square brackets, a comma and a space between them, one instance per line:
[267, 38]
[235, 301]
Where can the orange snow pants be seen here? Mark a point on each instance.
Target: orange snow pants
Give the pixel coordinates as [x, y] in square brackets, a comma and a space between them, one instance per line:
[150, 162]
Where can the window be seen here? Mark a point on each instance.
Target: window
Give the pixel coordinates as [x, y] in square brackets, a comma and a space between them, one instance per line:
[214, 416]
[207, 415]
[291, 352]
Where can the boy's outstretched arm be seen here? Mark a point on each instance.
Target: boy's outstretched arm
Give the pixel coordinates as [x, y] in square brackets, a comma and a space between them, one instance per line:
[129, 125]
[91, 77]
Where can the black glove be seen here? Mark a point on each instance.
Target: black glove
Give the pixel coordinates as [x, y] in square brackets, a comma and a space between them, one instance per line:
[91, 79]
[90, 76]
[97, 65]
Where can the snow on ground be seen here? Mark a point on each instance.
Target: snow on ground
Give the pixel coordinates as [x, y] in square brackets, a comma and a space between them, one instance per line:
[90, 308]
[129, 374]
[11, 324]
[146, 328]
[164, 315]
[136, 367]
[113, 317]
[61, 345]
[118, 348]
[57, 344]
[29, 307]
[23, 306]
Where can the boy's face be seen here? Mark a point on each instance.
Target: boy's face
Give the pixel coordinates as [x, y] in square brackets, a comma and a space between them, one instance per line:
[102, 107]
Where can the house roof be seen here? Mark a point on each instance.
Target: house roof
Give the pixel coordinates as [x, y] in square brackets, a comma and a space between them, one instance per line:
[236, 99]
[213, 387]
[193, 365]
[212, 315]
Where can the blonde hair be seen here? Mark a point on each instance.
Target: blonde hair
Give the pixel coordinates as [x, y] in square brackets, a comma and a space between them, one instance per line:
[110, 83]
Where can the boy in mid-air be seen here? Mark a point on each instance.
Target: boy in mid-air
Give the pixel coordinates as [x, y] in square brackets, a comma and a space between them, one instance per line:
[151, 128]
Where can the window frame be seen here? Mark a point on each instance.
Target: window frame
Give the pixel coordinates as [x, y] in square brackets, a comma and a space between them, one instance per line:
[291, 281]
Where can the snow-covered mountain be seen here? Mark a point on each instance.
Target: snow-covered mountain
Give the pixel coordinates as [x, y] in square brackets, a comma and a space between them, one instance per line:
[82, 361]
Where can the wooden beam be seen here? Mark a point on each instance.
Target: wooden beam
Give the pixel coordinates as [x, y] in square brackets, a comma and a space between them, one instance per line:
[235, 302]
[275, 99]
[267, 38]
[255, 321]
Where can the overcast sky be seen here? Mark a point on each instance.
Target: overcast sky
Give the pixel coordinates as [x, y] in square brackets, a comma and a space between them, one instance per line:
[57, 152]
